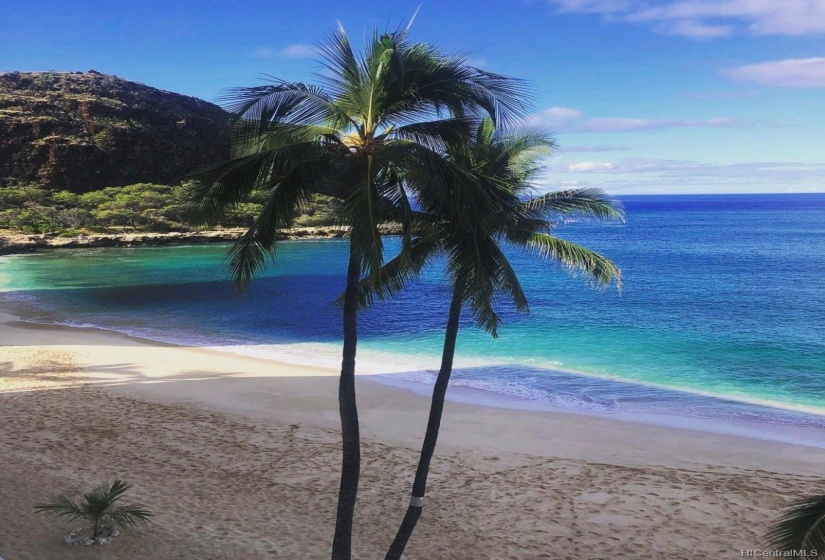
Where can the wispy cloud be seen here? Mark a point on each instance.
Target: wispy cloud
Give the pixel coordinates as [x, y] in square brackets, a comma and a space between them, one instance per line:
[590, 167]
[663, 175]
[794, 72]
[686, 168]
[564, 119]
[696, 29]
[556, 116]
[744, 94]
[594, 148]
[709, 19]
[614, 124]
[290, 51]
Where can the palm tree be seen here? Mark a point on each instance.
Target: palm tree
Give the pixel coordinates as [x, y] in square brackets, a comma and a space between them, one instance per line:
[800, 528]
[468, 223]
[100, 507]
[379, 114]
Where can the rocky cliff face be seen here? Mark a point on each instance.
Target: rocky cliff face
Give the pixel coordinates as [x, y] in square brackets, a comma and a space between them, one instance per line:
[81, 131]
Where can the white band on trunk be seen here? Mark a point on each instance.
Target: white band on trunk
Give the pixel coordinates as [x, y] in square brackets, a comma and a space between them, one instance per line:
[417, 501]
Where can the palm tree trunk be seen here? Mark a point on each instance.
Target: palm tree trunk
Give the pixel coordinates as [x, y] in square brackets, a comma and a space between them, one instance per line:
[351, 456]
[431, 437]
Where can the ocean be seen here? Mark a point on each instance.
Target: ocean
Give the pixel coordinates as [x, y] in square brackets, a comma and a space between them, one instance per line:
[720, 324]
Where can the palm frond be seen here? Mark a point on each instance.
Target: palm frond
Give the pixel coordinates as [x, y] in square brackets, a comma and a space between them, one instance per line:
[366, 237]
[251, 251]
[339, 58]
[395, 200]
[800, 527]
[60, 506]
[423, 81]
[248, 255]
[279, 101]
[599, 270]
[516, 155]
[473, 269]
[115, 491]
[218, 188]
[436, 134]
[399, 271]
[100, 499]
[507, 280]
[506, 100]
[585, 202]
[129, 515]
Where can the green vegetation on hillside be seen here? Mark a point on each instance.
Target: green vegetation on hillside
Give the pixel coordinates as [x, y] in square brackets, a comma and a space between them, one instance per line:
[139, 207]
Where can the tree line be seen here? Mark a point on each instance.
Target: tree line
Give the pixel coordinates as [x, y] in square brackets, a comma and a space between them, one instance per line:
[139, 207]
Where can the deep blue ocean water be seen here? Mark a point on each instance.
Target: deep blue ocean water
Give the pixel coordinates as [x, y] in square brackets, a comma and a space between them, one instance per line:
[721, 315]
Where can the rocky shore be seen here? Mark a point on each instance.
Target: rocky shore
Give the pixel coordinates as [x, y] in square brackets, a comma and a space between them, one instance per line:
[13, 243]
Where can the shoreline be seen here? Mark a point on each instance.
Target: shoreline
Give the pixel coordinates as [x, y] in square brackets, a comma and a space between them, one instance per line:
[20, 243]
[191, 427]
[806, 436]
[760, 430]
[481, 400]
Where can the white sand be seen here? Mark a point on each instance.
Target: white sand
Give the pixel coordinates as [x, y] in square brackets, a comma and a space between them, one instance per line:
[242, 454]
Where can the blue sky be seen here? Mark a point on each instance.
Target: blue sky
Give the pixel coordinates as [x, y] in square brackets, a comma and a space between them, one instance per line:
[645, 96]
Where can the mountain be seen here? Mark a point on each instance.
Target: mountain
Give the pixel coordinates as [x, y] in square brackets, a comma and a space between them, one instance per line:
[81, 131]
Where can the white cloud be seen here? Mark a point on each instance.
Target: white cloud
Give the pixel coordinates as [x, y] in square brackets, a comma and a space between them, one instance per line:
[696, 29]
[707, 19]
[555, 117]
[590, 166]
[794, 72]
[290, 51]
[595, 6]
[300, 51]
[564, 119]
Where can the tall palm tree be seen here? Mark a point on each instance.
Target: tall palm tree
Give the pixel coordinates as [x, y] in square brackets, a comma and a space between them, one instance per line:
[801, 527]
[469, 223]
[377, 115]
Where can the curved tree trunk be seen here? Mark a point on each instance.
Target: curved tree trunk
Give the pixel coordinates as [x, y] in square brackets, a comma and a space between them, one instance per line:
[351, 456]
[431, 437]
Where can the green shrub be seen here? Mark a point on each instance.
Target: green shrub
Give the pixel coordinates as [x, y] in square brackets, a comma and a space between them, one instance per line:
[142, 206]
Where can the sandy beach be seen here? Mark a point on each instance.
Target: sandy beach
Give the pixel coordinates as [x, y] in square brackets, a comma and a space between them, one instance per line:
[238, 457]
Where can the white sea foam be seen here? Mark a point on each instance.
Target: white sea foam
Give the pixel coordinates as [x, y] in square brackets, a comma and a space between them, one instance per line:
[629, 398]
[500, 384]
[16, 297]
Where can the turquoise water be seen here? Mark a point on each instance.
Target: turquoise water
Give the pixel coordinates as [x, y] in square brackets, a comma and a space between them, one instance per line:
[722, 310]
